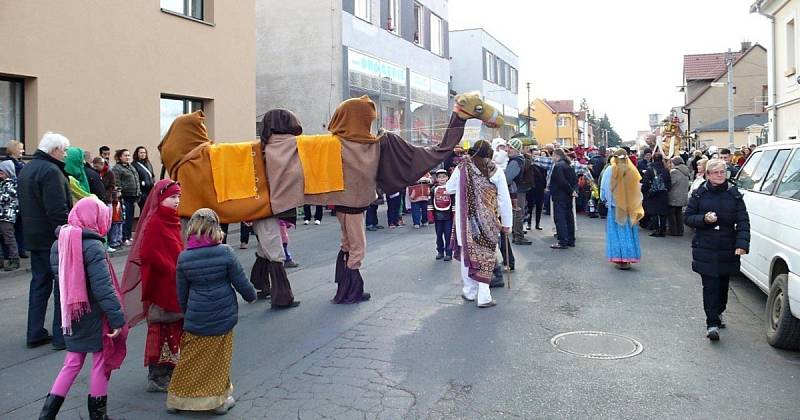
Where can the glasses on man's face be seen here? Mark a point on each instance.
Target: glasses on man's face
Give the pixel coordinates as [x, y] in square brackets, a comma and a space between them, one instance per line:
[715, 172]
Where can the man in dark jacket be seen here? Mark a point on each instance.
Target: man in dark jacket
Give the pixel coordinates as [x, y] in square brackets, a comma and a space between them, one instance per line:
[514, 173]
[96, 186]
[717, 212]
[44, 201]
[563, 188]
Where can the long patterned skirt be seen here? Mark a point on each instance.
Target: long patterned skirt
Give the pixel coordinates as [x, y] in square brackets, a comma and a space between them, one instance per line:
[622, 241]
[163, 343]
[201, 380]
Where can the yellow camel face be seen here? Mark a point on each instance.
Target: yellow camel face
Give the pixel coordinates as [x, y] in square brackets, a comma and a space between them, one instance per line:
[471, 105]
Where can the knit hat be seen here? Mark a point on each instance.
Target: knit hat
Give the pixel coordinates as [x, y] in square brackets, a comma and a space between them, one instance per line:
[516, 144]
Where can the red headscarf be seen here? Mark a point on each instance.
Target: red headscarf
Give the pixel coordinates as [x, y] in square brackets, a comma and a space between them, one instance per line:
[149, 276]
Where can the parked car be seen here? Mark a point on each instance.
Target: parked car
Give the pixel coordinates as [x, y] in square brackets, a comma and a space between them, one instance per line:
[770, 183]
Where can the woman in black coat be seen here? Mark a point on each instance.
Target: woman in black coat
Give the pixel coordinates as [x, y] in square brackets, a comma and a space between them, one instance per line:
[141, 162]
[718, 214]
[655, 189]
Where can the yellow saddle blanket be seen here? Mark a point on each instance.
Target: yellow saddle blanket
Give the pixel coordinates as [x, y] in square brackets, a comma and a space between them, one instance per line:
[321, 159]
[233, 170]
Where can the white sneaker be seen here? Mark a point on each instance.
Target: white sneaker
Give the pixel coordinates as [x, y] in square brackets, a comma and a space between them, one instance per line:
[111, 250]
[226, 406]
[305, 222]
[317, 222]
[128, 242]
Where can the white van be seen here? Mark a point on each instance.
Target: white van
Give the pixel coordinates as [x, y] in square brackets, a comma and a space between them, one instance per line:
[770, 183]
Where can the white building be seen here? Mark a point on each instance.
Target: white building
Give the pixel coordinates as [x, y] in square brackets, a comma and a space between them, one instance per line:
[311, 55]
[481, 62]
[784, 78]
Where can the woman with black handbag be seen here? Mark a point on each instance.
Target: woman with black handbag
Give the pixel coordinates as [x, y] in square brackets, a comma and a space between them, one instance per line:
[655, 188]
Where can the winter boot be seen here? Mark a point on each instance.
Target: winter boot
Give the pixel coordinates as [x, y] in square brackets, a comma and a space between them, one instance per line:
[11, 264]
[51, 406]
[97, 408]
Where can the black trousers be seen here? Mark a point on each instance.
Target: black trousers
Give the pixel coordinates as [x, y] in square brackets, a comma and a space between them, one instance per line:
[659, 223]
[506, 257]
[444, 229]
[715, 298]
[565, 222]
[535, 203]
[372, 215]
[317, 212]
[675, 221]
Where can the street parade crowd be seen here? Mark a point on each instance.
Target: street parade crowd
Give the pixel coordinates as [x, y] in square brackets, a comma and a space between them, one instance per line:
[70, 210]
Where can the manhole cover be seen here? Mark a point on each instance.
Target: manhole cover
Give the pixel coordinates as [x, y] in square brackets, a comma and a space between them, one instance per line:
[597, 345]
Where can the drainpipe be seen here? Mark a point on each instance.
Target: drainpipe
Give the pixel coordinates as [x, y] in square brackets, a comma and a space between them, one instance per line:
[773, 129]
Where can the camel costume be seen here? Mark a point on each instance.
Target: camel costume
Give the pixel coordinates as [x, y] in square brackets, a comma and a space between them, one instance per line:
[342, 168]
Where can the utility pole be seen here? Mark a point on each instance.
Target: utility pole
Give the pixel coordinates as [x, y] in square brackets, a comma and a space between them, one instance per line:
[530, 117]
[731, 117]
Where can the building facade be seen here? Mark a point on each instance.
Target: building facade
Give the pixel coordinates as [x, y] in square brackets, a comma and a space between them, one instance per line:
[705, 78]
[118, 73]
[312, 57]
[556, 122]
[746, 130]
[482, 63]
[784, 78]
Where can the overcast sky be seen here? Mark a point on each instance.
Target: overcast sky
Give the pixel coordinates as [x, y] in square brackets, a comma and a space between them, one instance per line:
[625, 57]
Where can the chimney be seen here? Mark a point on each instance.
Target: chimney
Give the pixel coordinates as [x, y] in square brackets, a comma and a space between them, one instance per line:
[746, 45]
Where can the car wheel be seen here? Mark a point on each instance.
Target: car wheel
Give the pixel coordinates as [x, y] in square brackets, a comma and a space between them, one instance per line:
[783, 329]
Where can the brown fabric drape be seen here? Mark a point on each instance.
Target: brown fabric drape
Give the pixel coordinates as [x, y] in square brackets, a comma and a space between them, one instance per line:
[352, 120]
[279, 121]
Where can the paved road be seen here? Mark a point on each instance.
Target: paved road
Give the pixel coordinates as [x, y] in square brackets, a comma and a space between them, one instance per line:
[417, 351]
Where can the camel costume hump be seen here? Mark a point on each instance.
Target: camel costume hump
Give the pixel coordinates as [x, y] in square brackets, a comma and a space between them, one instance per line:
[185, 154]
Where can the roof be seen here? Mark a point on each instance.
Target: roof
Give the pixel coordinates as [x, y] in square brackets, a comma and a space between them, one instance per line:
[705, 66]
[740, 122]
[561, 107]
[737, 58]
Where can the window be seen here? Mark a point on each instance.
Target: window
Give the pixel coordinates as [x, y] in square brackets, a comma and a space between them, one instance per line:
[173, 107]
[514, 76]
[489, 65]
[790, 184]
[562, 121]
[745, 178]
[497, 70]
[190, 8]
[775, 171]
[393, 21]
[12, 107]
[790, 48]
[437, 38]
[563, 141]
[363, 9]
[419, 31]
[753, 179]
[501, 78]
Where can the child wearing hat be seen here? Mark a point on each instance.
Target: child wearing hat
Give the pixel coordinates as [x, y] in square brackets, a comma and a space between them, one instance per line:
[441, 204]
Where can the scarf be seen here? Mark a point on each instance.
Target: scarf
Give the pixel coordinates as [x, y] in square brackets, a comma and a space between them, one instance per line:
[194, 242]
[73, 164]
[627, 190]
[353, 119]
[480, 226]
[149, 276]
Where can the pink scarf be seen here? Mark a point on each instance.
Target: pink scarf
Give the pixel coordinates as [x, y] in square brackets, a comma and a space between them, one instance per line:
[193, 242]
[93, 215]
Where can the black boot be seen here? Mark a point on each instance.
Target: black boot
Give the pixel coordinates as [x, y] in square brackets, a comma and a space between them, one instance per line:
[51, 406]
[97, 408]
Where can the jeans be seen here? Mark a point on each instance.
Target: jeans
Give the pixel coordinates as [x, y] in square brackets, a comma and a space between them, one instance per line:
[43, 284]
[509, 258]
[393, 211]
[547, 202]
[115, 235]
[443, 230]
[129, 207]
[418, 212]
[715, 298]
[372, 215]
[565, 221]
[317, 212]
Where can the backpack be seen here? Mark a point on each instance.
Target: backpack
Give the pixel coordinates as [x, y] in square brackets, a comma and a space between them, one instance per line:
[527, 176]
[657, 185]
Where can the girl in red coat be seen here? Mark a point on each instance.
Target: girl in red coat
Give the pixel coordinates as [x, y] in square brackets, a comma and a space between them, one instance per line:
[149, 282]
